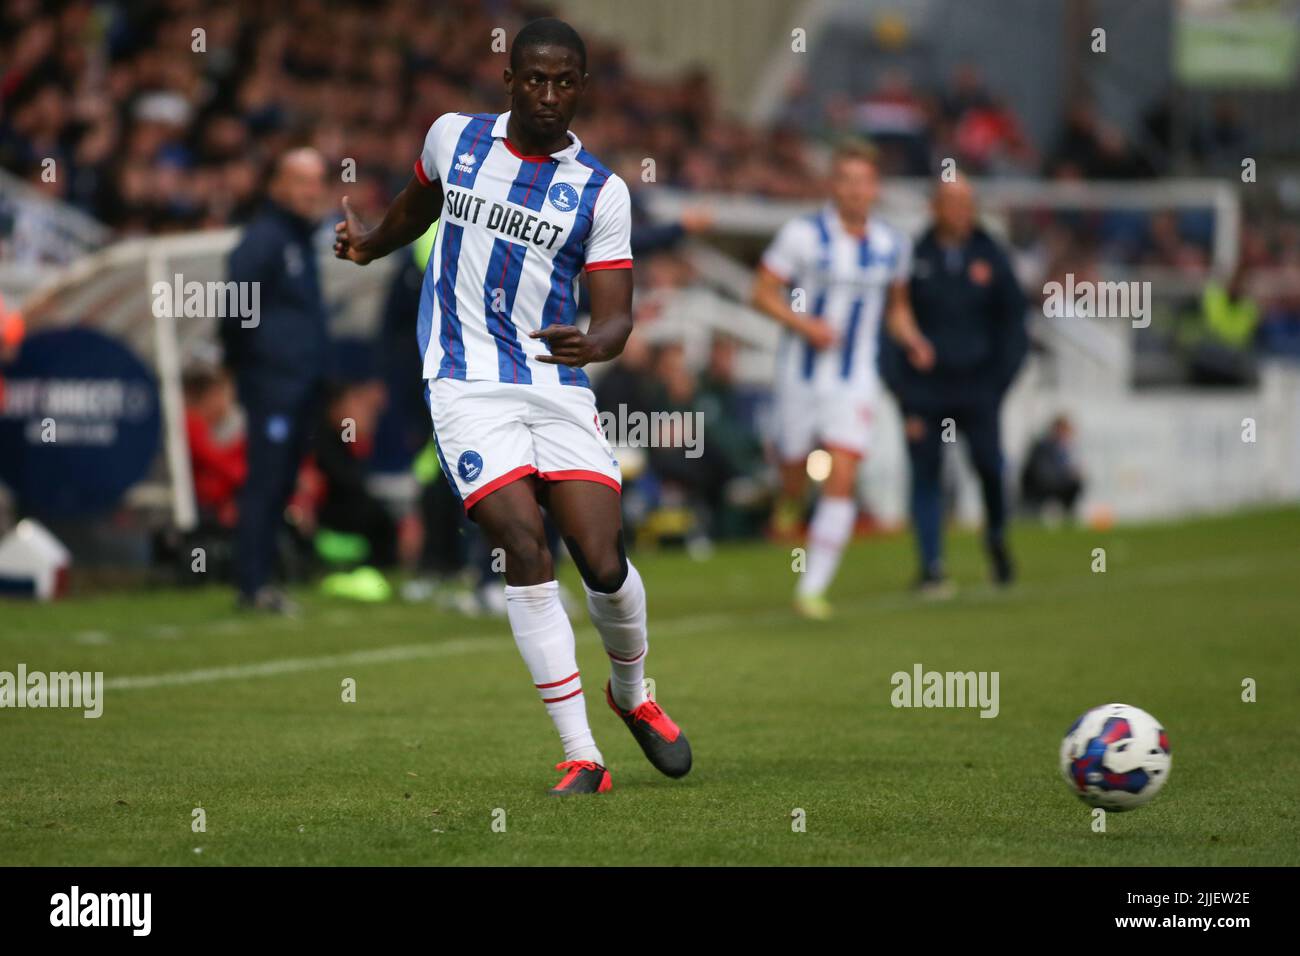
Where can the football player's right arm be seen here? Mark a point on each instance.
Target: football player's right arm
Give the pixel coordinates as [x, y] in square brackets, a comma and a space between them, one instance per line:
[771, 297]
[784, 259]
[407, 219]
[900, 322]
[412, 212]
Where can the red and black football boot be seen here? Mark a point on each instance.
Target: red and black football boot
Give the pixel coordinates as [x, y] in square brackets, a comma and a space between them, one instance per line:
[661, 740]
[584, 776]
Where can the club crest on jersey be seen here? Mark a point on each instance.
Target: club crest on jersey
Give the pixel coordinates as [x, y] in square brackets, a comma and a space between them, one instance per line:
[465, 162]
[563, 197]
[470, 465]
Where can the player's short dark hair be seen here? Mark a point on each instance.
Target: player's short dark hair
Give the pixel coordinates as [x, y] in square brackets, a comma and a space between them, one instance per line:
[548, 31]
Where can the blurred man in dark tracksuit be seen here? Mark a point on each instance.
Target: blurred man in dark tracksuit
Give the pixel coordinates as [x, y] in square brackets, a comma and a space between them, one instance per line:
[967, 303]
[279, 362]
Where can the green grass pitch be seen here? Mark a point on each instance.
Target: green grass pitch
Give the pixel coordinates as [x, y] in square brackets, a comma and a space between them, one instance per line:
[245, 718]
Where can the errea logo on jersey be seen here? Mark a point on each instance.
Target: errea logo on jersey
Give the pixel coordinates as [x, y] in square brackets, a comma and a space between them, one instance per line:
[465, 162]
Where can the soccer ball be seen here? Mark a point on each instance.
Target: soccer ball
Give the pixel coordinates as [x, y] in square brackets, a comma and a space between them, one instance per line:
[1116, 757]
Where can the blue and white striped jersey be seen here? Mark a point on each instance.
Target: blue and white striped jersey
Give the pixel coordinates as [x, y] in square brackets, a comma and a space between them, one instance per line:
[515, 233]
[844, 279]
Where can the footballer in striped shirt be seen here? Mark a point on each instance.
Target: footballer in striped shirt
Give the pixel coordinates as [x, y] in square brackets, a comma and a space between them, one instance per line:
[524, 212]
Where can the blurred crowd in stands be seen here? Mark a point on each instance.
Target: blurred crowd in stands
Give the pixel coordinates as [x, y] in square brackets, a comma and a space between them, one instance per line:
[153, 136]
[163, 116]
[965, 120]
[155, 128]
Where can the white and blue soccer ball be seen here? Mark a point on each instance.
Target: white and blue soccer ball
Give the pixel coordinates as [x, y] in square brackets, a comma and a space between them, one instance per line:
[1115, 757]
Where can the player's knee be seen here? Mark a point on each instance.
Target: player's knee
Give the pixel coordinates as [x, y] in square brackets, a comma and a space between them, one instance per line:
[603, 567]
[527, 558]
[841, 480]
[609, 576]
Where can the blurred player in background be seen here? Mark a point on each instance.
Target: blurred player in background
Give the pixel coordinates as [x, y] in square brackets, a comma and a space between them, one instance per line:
[829, 279]
[966, 301]
[524, 209]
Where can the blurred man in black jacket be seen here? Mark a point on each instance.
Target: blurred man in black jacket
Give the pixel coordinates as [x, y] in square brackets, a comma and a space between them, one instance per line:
[279, 361]
[968, 304]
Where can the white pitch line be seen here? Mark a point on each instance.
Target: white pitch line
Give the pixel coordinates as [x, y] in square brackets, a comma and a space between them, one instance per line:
[379, 655]
[293, 665]
[1221, 568]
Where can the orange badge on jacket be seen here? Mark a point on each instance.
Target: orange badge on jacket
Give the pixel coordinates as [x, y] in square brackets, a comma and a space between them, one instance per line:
[980, 272]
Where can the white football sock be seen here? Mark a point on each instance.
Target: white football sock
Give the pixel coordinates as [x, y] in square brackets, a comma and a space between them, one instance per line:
[620, 619]
[544, 636]
[828, 533]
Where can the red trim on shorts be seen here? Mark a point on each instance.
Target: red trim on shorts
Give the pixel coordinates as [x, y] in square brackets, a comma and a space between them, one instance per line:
[557, 683]
[609, 264]
[580, 474]
[514, 474]
[421, 175]
[556, 700]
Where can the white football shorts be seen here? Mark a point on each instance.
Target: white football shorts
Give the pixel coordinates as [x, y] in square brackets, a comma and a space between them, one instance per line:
[492, 433]
[805, 418]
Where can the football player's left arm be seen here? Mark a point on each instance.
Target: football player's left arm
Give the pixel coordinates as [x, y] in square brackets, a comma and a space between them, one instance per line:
[609, 283]
[611, 323]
